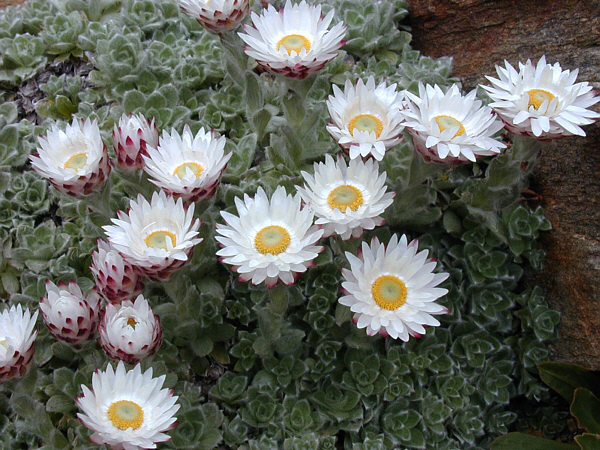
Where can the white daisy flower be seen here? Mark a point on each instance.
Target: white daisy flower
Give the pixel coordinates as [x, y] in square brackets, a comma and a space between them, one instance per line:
[366, 119]
[130, 331]
[74, 160]
[131, 137]
[271, 240]
[69, 315]
[346, 199]
[392, 289]
[157, 237]
[115, 278]
[295, 41]
[127, 409]
[217, 15]
[187, 166]
[542, 101]
[451, 128]
[17, 338]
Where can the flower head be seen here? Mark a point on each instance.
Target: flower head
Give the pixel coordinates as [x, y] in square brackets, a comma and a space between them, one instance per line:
[294, 41]
[74, 160]
[392, 290]
[68, 314]
[187, 166]
[449, 127]
[217, 15]
[16, 341]
[130, 331]
[542, 100]
[131, 137]
[127, 408]
[115, 278]
[271, 240]
[365, 119]
[346, 199]
[157, 237]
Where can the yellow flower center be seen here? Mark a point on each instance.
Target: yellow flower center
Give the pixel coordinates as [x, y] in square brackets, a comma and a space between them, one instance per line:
[181, 170]
[345, 196]
[539, 96]
[445, 122]
[125, 414]
[389, 292]
[77, 161]
[294, 43]
[131, 322]
[365, 122]
[272, 239]
[158, 239]
[3, 343]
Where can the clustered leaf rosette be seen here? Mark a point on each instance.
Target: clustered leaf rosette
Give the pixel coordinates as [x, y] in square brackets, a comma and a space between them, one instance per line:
[17, 340]
[392, 290]
[542, 101]
[187, 166]
[447, 127]
[157, 238]
[294, 41]
[366, 119]
[131, 137]
[217, 15]
[347, 199]
[127, 409]
[69, 315]
[116, 279]
[271, 240]
[74, 160]
[130, 331]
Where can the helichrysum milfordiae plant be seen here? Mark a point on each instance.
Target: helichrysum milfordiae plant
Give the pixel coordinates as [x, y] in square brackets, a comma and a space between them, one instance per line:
[131, 137]
[347, 199]
[295, 41]
[127, 409]
[448, 127]
[17, 338]
[74, 160]
[542, 100]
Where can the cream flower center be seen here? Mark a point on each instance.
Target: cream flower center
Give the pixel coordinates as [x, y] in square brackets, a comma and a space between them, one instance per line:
[272, 239]
[181, 170]
[294, 43]
[365, 122]
[131, 322]
[125, 414]
[76, 161]
[539, 96]
[446, 122]
[3, 343]
[345, 196]
[389, 292]
[158, 239]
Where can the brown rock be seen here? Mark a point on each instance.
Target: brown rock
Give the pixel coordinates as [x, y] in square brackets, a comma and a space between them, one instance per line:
[4, 3]
[482, 33]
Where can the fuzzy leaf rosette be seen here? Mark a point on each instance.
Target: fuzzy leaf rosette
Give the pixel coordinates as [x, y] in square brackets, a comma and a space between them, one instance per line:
[17, 339]
[542, 100]
[69, 315]
[392, 289]
[131, 136]
[271, 240]
[74, 160]
[130, 331]
[187, 166]
[127, 409]
[365, 118]
[156, 237]
[347, 199]
[294, 41]
[447, 127]
[217, 15]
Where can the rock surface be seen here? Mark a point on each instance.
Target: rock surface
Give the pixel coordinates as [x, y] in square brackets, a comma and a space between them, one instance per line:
[482, 33]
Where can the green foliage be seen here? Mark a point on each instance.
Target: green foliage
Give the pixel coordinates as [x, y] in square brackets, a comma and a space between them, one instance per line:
[257, 368]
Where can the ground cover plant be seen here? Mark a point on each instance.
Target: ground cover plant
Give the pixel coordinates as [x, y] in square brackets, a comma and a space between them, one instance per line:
[252, 366]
